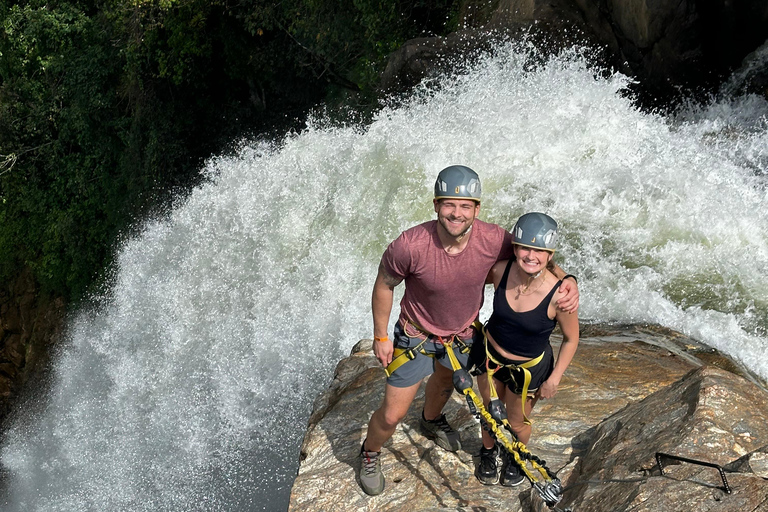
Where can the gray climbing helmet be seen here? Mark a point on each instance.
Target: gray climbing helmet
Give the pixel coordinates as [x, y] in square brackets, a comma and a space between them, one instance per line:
[536, 230]
[457, 181]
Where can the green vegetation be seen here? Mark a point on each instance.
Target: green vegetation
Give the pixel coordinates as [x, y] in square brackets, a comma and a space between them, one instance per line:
[108, 108]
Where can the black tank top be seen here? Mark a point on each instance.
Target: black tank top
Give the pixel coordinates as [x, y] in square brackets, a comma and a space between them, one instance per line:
[525, 334]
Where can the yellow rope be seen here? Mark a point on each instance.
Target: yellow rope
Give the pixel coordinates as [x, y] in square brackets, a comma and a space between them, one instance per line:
[514, 448]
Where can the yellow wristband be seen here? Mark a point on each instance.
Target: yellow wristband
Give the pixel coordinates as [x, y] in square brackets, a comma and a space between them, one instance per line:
[381, 340]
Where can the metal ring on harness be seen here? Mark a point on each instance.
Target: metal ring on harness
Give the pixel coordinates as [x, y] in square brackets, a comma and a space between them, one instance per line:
[511, 366]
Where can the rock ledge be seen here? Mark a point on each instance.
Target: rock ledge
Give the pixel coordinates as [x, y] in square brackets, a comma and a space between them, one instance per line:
[630, 392]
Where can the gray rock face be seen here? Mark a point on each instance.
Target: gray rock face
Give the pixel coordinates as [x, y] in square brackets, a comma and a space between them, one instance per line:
[665, 44]
[709, 415]
[629, 393]
[30, 324]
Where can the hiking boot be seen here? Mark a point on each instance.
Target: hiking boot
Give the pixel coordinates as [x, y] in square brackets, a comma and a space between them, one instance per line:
[441, 433]
[371, 477]
[487, 470]
[511, 475]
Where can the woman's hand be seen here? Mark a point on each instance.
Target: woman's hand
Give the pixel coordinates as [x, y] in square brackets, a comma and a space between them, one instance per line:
[548, 389]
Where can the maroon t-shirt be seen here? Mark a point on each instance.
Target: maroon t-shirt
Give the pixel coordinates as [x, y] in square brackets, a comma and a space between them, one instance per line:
[444, 292]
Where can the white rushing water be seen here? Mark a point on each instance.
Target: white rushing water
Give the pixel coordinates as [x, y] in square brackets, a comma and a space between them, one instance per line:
[191, 387]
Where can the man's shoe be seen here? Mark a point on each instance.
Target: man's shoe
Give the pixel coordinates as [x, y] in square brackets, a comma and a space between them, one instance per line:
[511, 476]
[487, 470]
[441, 433]
[371, 477]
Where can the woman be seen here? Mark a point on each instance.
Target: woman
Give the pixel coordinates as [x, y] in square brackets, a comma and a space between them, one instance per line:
[517, 352]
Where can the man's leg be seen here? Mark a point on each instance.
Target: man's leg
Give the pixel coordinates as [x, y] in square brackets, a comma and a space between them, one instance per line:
[438, 390]
[381, 427]
[391, 412]
[433, 423]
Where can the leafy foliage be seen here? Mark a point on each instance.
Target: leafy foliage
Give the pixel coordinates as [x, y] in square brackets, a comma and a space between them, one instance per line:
[107, 108]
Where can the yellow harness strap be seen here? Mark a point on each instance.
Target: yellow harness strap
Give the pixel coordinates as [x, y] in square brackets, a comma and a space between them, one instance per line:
[522, 366]
[400, 356]
[514, 448]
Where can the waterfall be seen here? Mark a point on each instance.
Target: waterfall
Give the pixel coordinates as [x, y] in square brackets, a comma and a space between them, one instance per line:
[190, 386]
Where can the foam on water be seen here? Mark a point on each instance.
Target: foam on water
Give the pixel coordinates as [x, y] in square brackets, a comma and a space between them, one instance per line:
[191, 387]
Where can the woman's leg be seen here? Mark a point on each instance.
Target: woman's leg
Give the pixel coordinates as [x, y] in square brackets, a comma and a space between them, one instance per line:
[485, 392]
[482, 386]
[515, 415]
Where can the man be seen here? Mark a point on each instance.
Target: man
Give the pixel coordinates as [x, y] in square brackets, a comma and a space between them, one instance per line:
[445, 265]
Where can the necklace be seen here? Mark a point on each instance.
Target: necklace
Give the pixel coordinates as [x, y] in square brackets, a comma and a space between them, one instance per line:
[525, 288]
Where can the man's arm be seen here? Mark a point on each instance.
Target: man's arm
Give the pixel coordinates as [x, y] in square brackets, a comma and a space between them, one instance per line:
[569, 302]
[381, 305]
[496, 272]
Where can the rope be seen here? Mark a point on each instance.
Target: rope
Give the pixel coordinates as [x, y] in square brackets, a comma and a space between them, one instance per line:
[547, 486]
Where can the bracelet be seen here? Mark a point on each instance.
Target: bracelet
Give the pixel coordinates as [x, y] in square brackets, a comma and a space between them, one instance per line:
[566, 276]
[381, 340]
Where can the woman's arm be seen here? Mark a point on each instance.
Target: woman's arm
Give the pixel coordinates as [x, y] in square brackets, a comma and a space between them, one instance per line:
[569, 324]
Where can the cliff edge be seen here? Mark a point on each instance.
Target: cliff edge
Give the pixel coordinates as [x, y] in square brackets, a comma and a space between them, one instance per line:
[630, 393]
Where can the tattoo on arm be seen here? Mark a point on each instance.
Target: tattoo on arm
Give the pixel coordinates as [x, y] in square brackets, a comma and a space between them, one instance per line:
[387, 278]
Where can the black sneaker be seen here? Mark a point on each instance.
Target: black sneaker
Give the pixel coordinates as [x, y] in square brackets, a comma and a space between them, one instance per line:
[487, 470]
[441, 433]
[511, 476]
[371, 477]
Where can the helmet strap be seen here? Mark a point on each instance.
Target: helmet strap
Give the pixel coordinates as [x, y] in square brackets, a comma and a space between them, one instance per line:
[461, 236]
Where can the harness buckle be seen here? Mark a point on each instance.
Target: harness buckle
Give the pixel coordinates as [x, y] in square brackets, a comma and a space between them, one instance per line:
[410, 354]
[471, 405]
[463, 347]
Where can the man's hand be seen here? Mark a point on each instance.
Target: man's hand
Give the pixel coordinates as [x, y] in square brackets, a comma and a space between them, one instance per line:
[569, 299]
[383, 351]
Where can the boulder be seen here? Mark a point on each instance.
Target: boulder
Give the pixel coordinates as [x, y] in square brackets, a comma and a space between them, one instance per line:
[629, 393]
[711, 416]
[30, 324]
[666, 45]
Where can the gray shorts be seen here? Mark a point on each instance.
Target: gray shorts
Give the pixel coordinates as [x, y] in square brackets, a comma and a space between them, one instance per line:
[422, 365]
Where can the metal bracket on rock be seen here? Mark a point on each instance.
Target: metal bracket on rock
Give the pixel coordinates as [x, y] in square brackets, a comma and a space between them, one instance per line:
[659, 456]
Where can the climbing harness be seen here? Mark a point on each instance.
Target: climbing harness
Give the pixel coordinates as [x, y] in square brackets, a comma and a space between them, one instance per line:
[400, 356]
[524, 367]
[546, 484]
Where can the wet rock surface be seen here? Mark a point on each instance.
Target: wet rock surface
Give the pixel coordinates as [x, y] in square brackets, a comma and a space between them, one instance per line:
[666, 45]
[630, 392]
[30, 325]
